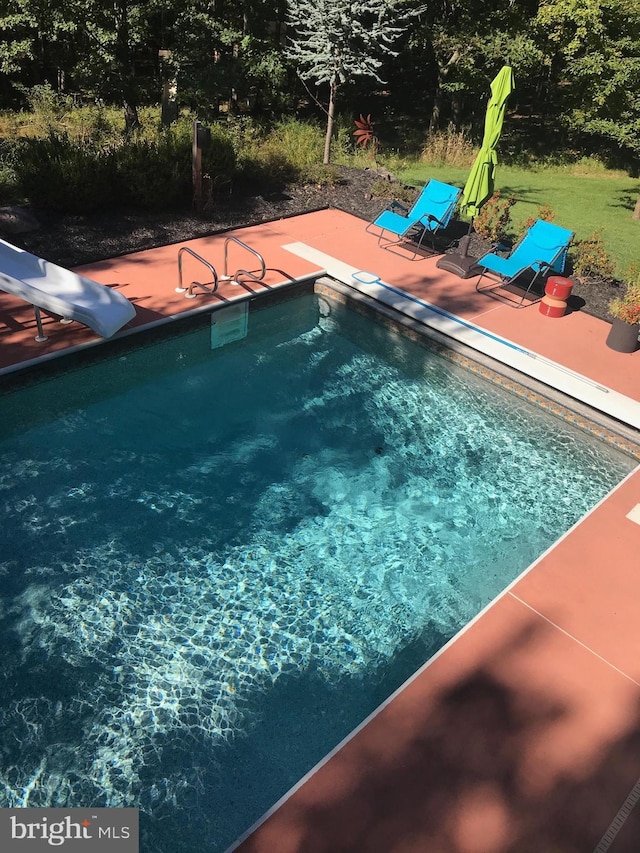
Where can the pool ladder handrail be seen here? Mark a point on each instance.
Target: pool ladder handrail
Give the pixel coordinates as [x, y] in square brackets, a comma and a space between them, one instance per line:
[255, 276]
[188, 291]
[239, 272]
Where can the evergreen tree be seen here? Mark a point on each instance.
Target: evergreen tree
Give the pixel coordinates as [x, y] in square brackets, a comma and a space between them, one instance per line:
[336, 40]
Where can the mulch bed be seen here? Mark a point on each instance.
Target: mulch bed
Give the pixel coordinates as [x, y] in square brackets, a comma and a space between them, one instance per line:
[71, 240]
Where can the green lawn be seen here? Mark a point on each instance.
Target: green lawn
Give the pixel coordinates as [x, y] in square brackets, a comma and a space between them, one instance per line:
[584, 203]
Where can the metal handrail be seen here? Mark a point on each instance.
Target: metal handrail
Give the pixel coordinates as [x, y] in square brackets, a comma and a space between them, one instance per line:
[263, 270]
[181, 289]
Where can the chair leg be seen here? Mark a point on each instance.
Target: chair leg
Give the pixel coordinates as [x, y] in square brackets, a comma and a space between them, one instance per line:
[530, 287]
[426, 232]
[381, 237]
[480, 277]
[422, 236]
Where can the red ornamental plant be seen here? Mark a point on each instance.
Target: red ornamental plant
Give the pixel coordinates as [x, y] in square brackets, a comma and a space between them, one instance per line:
[364, 132]
[627, 307]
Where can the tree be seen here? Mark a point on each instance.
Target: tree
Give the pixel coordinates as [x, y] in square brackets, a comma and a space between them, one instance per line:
[336, 40]
[228, 52]
[34, 36]
[596, 48]
[594, 55]
[470, 40]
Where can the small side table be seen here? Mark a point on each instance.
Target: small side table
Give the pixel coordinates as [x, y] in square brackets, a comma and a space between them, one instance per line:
[556, 292]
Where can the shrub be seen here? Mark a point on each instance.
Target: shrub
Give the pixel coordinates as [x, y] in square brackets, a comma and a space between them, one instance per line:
[47, 106]
[544, 212]
[61, 174]
[448, 147]
[93, 123]
[219, 159]
[245, 135]
[155, 174]
[494, 218]
[300, 142]
[393, 189]
[10, 189]
[152, 173]
[627, 306]
[591, 260]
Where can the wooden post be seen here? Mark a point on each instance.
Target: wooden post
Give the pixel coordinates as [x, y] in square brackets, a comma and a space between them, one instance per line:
[196, 170]
[636, 209]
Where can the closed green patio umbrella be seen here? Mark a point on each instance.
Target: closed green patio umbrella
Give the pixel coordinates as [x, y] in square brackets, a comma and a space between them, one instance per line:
[479, 186]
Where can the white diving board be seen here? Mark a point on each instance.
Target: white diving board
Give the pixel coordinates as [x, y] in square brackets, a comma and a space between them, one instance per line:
[62, 292]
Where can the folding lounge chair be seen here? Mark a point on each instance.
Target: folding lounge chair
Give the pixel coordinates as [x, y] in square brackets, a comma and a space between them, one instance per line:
[542, 250]
[57, 290]
[430, 213]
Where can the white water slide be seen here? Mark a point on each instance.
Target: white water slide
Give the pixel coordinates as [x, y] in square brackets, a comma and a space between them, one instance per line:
[59, 291]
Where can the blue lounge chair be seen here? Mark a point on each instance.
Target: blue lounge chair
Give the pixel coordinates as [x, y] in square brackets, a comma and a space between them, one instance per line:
[541, 251]
[431, 212]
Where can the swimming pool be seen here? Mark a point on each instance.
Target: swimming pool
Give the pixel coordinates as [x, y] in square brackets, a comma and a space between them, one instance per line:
[216, 563]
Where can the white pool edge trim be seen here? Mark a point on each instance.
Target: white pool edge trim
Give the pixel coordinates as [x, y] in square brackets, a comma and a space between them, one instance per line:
[528, 362]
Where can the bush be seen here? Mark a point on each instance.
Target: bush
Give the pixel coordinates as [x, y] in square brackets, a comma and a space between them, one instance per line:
[448, 147]
[590, 259]
[79, 176]
[156, 174]
[93, 123]
[544, 212]
[395, 190]
[48, 108]
[63, 175]
[627, 306]
[152, 175]
[10, 189]
[494, 218]
[219, 159]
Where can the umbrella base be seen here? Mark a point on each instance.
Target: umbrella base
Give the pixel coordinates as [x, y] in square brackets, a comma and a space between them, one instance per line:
[461, 265]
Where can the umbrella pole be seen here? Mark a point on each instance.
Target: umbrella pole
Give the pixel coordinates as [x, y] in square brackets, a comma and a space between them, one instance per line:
[463, 245]
[460, 263]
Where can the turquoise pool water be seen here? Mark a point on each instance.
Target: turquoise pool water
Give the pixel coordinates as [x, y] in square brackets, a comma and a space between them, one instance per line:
[216, 563]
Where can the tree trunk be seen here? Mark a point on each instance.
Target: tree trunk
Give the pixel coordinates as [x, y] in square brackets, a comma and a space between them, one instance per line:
[131, 119]
[636, 209]
[434, 121]
[333, 88]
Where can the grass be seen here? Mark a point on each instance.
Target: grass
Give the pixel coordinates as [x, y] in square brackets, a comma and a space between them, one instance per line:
[584, 200]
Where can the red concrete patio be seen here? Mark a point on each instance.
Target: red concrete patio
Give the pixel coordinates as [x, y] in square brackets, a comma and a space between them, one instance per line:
[523, 734]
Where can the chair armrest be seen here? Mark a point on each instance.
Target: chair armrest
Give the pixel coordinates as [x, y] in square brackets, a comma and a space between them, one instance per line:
[428, 218]
[542, 265]
[395, 205]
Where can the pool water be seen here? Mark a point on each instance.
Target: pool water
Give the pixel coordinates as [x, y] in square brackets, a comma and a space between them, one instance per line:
[216, 562]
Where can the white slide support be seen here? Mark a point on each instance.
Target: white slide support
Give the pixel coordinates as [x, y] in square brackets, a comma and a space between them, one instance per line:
[60, 291]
